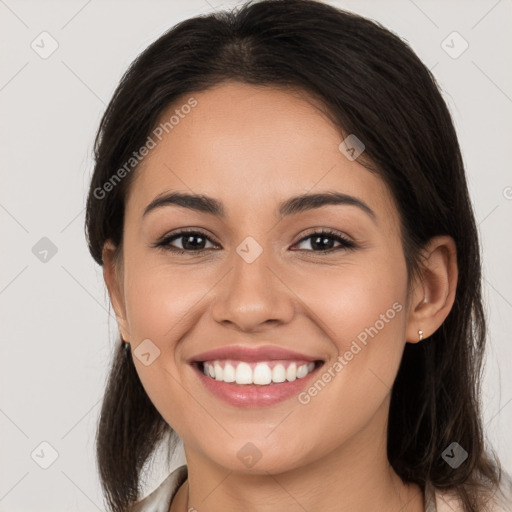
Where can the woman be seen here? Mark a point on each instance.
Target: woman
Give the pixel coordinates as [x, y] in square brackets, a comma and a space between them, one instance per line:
[280, 207]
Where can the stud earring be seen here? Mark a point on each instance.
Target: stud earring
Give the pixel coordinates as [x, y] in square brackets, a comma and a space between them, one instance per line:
[420, 335]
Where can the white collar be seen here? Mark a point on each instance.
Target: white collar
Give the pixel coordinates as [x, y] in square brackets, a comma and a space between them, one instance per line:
[435, 500]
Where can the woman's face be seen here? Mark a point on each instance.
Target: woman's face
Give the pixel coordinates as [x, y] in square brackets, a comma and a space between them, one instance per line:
[257, 277]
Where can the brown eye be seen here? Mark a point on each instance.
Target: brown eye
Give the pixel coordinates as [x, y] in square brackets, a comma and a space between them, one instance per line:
[191, 241]
[322, 241]
[196, 242]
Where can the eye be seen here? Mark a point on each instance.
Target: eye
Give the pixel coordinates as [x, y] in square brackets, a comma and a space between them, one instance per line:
[195, 241]
[322, 240]
[191, 241]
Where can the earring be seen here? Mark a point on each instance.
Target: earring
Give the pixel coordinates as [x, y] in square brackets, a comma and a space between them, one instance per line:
[420, 335]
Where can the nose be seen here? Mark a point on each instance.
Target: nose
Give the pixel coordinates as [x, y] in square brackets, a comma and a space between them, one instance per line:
[253, 295]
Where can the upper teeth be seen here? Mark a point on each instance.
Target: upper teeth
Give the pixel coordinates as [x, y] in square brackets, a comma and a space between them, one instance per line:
[261, 373]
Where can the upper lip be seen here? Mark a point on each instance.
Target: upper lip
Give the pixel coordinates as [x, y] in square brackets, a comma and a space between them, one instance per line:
[249, 354]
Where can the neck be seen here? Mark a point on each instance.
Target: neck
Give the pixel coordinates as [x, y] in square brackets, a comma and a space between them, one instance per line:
[354, 477]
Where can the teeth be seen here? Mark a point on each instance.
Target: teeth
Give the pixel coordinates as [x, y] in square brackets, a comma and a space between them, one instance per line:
[219, 372]
[279, 373]
[302, 371]
[229, 373]
[260, 373]
[243, 374]
[291, 372]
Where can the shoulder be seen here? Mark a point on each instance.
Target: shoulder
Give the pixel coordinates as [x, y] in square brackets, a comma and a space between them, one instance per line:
[160, 499]
[437, 500]
[501, 500]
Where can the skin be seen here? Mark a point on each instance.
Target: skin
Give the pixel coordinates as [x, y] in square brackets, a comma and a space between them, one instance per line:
[252, 147]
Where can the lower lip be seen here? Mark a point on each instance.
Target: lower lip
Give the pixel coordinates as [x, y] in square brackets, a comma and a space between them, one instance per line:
[254, 395]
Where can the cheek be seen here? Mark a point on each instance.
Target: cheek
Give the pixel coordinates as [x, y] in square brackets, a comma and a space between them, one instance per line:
[360, 307]
[369, 307]
[159, 300]
[163, 304]
[362, 299]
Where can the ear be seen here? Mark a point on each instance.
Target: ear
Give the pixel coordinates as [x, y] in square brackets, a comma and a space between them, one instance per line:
[113, 279]
[433, 290]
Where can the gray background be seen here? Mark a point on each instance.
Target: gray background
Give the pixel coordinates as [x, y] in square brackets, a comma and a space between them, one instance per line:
[57, 330]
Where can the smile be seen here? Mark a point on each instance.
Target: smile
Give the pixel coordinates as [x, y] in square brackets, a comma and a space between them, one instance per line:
[261, 373]
[259, 384]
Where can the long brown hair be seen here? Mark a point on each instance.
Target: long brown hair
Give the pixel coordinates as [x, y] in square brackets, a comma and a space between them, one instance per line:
[373, 85]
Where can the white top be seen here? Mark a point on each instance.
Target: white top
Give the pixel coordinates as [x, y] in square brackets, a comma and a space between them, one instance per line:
[435, 500]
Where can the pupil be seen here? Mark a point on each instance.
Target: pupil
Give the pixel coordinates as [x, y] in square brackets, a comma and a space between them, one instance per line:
[190, 245]
[322, 242]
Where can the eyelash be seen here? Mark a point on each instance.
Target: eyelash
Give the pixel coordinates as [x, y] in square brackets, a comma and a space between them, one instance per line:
[164, 243]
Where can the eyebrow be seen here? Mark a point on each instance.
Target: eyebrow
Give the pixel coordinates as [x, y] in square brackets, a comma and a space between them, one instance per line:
[293, 205]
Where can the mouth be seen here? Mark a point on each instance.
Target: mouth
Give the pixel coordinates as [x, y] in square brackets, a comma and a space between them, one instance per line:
[249, 383]
[262, 373]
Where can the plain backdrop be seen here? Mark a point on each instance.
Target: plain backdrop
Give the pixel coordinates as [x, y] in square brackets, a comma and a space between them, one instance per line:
[57, 333]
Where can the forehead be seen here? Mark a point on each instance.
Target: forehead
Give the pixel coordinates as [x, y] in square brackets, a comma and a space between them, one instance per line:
[247, 145]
